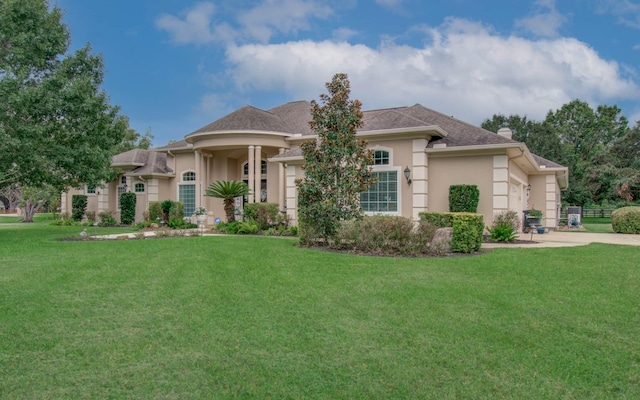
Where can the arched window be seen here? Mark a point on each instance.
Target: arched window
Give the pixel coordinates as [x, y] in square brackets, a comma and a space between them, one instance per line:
[189, 176]
[381, 157]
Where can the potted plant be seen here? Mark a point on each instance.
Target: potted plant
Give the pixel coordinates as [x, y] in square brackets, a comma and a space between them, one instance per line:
[532, 219]
[201, 214]
[534, 214]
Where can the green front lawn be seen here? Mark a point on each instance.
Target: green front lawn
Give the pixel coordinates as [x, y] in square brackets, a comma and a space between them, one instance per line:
[258, 317]
[597, 225]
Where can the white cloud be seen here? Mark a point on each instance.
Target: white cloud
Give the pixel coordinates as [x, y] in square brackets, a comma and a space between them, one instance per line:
[391, 4]
[343, 34]
[627, 11]
[545, 22]
[195, 27]
[464, 70]
[281, 16]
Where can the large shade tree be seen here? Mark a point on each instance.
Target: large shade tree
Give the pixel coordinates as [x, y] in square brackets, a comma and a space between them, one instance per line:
[57, 127]
[337, 166]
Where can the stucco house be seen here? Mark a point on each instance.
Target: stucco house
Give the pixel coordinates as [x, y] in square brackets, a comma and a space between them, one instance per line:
[418, 154]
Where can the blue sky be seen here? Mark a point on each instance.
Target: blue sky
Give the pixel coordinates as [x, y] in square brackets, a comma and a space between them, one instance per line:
[176, 65]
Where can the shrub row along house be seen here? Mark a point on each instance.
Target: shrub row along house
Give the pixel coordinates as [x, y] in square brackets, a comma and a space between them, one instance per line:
[418, 154]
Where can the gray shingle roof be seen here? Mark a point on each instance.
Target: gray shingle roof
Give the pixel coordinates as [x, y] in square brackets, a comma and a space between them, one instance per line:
[144, 162]
[247, 118]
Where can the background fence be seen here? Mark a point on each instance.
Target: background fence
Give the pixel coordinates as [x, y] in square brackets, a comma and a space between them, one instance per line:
[591, 213]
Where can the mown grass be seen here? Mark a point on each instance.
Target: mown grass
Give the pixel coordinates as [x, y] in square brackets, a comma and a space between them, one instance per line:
[597, 225]
[258, 317]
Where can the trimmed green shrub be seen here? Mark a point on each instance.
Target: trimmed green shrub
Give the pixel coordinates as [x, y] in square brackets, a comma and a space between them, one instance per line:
[177, 210]
[467, 229]
[438, 219]
[265, 214]
[464, 198]
[155, 212]
[467, 232]
[127, 208]
[626, 220]
[385, 235]
[78, 206]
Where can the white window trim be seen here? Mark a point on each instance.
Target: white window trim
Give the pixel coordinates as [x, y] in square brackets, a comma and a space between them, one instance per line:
[387, 168]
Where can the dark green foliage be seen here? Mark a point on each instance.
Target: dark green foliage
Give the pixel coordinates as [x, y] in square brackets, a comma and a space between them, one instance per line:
[467, 232]
[265, 214]
[626, 220]
[463, 198]
[337, 165]
[228, 191]
[155, 212]
[166, 209]
[385, 235]
[127, 208]
[248, 227]
[468, 229]
[438, 219]
[58, 127]
[78, 206]
[597, 146]
[107, 219]
[228, 227]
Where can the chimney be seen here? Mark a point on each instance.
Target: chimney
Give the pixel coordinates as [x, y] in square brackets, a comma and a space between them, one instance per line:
[505, 133]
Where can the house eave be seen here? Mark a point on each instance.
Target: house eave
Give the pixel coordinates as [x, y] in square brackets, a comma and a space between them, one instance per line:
[427, 132]
[193, 137]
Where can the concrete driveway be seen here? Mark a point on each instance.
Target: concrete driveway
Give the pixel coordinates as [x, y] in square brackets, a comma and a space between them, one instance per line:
[568, 239]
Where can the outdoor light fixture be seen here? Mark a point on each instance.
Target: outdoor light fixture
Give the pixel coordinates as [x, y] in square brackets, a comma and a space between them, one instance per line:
[528, 190]
[407, 175]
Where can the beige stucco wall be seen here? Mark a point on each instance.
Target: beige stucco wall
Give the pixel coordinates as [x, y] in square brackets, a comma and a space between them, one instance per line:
[469, 170]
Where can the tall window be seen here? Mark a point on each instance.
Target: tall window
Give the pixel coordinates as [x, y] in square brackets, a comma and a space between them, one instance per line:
[382, 197]
[263, 181]
[187, 193]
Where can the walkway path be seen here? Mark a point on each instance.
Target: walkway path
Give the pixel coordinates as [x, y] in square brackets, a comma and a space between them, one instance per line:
[567, 239]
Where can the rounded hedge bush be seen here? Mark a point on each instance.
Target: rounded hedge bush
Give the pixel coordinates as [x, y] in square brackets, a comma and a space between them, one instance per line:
[626, 220]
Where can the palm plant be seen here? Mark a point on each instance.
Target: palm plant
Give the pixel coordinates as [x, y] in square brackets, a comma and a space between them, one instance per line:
[228, 191]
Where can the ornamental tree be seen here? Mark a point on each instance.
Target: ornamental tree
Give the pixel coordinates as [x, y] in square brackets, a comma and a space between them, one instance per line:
[337, 166]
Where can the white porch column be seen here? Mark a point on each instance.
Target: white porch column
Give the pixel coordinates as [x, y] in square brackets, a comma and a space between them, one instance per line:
[500, 184]
[550, 205]
[291, 194]
[103, 198]
[257, 178]
[198, 168]
[419, 188]
[250, 175]
[281, 183]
